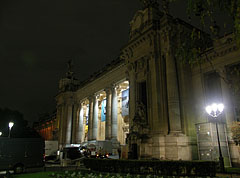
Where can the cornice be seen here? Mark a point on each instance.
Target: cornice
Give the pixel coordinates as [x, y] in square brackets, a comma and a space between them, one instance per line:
[214, 55]
[220, 51]
[98, 75]
[147, 37]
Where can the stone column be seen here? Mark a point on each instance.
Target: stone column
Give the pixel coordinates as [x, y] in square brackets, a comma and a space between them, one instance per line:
[63, 125]
[69, 114]
[114, 113]
[95, 118]
[59, 118]
[173, 94]
[90, 118]
[132, 93]
[226, 97]
[79, 125]
[108, 129]
[75, 120]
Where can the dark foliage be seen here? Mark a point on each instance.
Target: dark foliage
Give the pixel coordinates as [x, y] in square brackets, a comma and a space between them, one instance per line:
[20, 128]
[165, 168]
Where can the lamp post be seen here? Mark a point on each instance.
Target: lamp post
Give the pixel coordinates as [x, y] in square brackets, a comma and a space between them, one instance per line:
[10, 125]
[214, 111]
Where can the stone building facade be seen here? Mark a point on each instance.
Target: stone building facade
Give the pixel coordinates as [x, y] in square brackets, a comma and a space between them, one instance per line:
[46, 126]
[150, 103]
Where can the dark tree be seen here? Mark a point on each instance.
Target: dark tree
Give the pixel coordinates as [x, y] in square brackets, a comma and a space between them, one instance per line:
[20, 128]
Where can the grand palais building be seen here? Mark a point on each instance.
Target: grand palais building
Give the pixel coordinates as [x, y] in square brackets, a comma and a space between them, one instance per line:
[150, 104]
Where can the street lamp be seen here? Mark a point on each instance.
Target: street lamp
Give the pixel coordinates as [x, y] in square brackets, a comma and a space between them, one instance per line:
[10, 125]
[0, 133]
[215, 110]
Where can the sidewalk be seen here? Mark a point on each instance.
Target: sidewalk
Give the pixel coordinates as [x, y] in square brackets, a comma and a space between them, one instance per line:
[113, 157]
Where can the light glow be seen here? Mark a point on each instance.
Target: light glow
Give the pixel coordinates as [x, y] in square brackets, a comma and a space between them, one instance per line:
[208, 109]
[215, 109]
[220, 107]
[10, 125]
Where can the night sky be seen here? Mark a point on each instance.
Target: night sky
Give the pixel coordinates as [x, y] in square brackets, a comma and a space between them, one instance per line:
[37, 37]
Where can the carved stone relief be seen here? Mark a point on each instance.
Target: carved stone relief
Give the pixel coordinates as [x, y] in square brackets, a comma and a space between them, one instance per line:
[140, 128]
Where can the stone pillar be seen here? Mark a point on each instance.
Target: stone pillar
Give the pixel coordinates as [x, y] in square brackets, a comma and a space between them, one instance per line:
[63, 125]
[157, 93]
[69, 114]
[75, 118]
[226, 97]
[90, 118]
[114, 113]
[108, 129]
[95, 118]
[79, 125]
[58, 117]
[132, 93]
[173, 94]
[60, 120]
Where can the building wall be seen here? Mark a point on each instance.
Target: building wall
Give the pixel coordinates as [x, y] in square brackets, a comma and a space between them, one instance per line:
[166, 97]
[223, 55]
[47, 127]
[88, 94]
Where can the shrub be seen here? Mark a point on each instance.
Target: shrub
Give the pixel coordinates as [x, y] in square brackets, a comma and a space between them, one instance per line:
[154, 167]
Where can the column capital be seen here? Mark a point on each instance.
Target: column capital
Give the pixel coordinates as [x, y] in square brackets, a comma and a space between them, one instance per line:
[90, 98]
[83, 102]
[108, 90]
[80, 103]
[114, 87]
[96, 97]
[60, 105]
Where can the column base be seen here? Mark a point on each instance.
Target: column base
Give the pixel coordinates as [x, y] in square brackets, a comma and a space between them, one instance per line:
[175, 146]
[176, 133]
[115, 146]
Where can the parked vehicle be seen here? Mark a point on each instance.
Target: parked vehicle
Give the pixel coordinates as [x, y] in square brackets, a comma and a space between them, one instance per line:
[20, 153]
[51, 150]
[98, 149]
[70, 155]
[51, 147]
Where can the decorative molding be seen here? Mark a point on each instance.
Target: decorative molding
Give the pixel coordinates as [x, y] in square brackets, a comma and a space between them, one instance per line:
[149, 3]
[140, 128]
[220, 51]
[137, 22]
